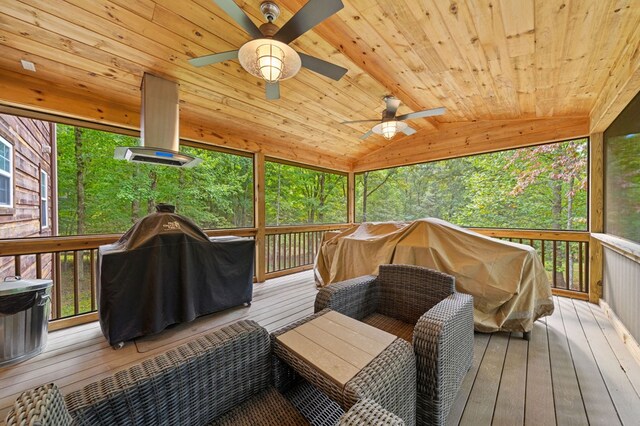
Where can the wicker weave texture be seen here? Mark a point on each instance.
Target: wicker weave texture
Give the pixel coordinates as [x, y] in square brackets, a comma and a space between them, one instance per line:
[368, 412]
[442, 335]
[443, 343]
[266, 408]
[42, 406]
[408, 291]
[356, 298]
[192, 384]
[389, 379]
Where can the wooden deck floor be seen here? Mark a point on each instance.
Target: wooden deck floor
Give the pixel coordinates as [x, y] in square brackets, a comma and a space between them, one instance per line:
[575, 370]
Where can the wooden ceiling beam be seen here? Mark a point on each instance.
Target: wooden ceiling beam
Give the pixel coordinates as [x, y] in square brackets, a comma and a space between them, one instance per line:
[462, 139]
[31, 93]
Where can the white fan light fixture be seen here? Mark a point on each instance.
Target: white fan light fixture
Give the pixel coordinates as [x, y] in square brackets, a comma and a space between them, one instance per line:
[269, 59]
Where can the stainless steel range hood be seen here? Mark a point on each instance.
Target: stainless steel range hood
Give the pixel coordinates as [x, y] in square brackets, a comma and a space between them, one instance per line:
[159, 141]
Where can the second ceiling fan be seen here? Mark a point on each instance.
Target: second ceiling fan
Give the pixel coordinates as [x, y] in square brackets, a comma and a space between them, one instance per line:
[390, 124]
[268, 55]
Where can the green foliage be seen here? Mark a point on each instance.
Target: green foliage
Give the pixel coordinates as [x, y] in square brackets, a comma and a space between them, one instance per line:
[622, 186]
[216, 194]
[297, 195]
[542, 187]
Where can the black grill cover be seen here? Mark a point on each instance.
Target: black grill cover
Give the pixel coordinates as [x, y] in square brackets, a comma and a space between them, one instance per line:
[165, 270]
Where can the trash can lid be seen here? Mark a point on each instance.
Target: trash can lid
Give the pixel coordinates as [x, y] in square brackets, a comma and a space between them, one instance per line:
[16, 286]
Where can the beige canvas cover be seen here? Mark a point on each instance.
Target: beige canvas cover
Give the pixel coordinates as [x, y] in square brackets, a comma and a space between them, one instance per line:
[507, 280]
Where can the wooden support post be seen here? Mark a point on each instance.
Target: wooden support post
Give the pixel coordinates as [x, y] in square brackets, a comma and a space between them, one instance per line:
[259, 220]
[351, 197]
[596, 214]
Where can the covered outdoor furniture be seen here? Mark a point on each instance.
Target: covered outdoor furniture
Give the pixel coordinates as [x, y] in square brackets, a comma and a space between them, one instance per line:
[507, 280]
[223, 378]
[165, 270]
[421, 306]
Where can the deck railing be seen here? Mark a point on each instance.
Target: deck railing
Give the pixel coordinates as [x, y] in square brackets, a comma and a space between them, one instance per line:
[291, 249]
[71, 261]
[565, 256]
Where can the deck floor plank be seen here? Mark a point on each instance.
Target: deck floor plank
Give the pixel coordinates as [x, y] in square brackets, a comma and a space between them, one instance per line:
[481, 403]
[511, 395]
[481, 340]
[539, 407]
[592, 387]
[621, 391]
[574, 354]
[566, 390]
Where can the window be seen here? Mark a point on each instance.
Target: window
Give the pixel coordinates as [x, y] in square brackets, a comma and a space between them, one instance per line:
[299, 195]
[98, 194]
[44, 204]
[6, 173]
[622, 174]
[541, 187]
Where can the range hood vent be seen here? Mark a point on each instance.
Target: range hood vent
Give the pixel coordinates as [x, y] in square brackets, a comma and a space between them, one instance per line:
[159, 141]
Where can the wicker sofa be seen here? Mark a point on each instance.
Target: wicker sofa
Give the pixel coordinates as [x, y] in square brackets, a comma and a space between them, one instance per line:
[421, 306]
[223, 378]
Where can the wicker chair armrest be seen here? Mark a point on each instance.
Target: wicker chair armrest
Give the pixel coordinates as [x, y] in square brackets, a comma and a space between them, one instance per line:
[355, 298]
[443, 344]
[198, 381]
[43, 406]
[368, 412]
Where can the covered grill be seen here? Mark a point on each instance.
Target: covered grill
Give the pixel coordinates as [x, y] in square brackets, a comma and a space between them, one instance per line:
[165, 270]
[24, 317]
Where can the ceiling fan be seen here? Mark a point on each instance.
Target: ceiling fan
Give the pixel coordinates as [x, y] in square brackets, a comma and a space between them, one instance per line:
[268, 55]
[392, 124]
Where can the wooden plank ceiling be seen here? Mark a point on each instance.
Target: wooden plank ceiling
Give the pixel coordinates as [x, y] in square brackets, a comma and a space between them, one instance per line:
[509, 72]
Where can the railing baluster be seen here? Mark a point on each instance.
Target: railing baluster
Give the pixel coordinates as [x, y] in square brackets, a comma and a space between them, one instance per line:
[580, 277]
[38, 265]
[58, 285]
[17, 265]
[555, 255]
[76, 282]
[567, 272]
[92, 268]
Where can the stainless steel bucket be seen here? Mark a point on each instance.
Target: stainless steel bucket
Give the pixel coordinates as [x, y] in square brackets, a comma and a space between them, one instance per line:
[24, 319]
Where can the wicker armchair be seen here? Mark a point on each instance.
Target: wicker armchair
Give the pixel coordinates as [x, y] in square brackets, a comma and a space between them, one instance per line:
[421, 306]
[223, 378]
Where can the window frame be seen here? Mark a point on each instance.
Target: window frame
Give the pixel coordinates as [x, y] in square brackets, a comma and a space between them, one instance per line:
[44, 199]
[9, 174]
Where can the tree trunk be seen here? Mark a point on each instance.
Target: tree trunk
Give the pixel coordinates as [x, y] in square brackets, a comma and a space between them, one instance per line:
[365, 178]
[322, 197]
[80, 195]
[151, 202]
[278, 196]
[135, 203]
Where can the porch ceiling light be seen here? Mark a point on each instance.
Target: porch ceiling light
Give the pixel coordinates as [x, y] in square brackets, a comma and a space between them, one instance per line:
[389, 128]
[269, 59]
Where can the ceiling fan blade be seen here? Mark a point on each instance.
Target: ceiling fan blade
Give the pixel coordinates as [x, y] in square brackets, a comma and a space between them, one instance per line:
[214, 58]
[311, 14]
[392, 106]
[420, 114]
[238, 15]
[409, 131]
[359, 121]
[366, 135]
[272, 90]
[322, 67]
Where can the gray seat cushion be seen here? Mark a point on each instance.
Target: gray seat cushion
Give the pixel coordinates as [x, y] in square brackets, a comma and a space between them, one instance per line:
[267, 408]
[391, 325]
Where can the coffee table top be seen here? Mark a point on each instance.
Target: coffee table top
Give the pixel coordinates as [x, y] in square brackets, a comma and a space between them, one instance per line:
[337, 345]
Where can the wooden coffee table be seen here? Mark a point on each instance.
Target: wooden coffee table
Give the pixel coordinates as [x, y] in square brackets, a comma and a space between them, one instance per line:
[338, 346]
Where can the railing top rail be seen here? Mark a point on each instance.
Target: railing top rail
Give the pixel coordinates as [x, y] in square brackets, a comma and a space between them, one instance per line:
[528, 234]
[20, 246]
[270, 230]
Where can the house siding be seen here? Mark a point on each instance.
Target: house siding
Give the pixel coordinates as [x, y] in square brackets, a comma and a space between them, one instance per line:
[32, 142]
